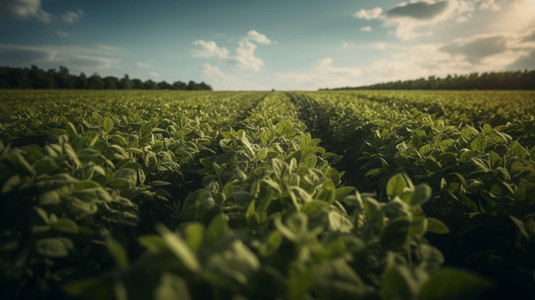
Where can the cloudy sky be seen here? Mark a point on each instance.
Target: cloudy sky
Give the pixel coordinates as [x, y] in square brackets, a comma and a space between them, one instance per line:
[264, 44]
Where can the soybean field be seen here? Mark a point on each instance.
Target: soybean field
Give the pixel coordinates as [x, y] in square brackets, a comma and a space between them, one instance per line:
[267, 195]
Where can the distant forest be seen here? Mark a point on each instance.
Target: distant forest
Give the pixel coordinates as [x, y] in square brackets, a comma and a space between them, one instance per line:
[511, 80]
[35, 78]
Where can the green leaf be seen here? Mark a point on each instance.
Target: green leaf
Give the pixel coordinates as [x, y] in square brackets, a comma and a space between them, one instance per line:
[234, 260]
[262, 154]
[42, 213]
[327, 192]
[180, 249]
[247, 144]
[217, 228]
[479, 143]
[424, 149]
[11, 183]
[339, 222]
[469, 132]
[272, 244]
[450, 283]
[53, 247]
[118, 252]
[518, 151]
[119, 183]
[447, 145]
[172, 287]
[313, 207]
[285, 231]
[396, 233]
[19, 161]
[494, 159]
[372, 172]
[146, 130]
[107, 124]
[119, 140]
[396, 185]
[521, 226]
[487, 128]
[374, 213]
[134, 150]
[497, 137]
[194, 235]
[342, 192]
[466, 155]
[206, 162]
[422, 193]
[335, 279]
[65, 225]
[152, 242]
[402, 147]
[71, 154]
[436, 226]
[418, 226]
[398, 283]
[250, 214]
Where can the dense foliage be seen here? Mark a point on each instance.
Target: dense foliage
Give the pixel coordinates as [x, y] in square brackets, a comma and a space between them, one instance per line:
[255, 195]
[509, 80]
[36, 78]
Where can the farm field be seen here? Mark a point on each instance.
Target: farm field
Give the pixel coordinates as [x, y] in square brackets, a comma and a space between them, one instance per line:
[267, 195]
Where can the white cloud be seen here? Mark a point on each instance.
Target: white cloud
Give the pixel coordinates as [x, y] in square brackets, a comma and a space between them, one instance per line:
[71, 16]
[476, 53]
[489, 5]
[372, 46]
[462, 19]
[420, 18]
[366, 28]
[213, 71]
[62, 33]
[529, 36]
[410, 18]
[207, 49]
[525, 62]
[476, 48]
[244, 57]
[255, 36]
[465, 6]
[221, 81]
[326, 61]
[154, 74]
[370, 14]
[76, 58]
[25, 9]
[419, 10]
[322, 74]
[143, 65]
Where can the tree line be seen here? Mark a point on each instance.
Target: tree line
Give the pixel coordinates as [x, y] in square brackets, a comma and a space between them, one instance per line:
[36, 78]
[509, 80]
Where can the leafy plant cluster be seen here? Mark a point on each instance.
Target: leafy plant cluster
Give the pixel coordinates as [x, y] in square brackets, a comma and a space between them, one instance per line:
[271, 221]
[510, 112]
[229, 195]
[104, 171]
[483, 180]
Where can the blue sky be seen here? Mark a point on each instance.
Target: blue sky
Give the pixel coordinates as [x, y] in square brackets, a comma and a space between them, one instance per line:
[264, 44]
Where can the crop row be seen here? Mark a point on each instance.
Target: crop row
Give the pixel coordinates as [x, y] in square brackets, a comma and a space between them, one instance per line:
[511, 112]
[199, 195]
[105, 169]
[483, 181]
[271, 221]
